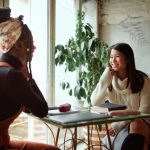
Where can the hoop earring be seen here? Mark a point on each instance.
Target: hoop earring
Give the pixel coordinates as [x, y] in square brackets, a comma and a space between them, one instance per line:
[28, 49]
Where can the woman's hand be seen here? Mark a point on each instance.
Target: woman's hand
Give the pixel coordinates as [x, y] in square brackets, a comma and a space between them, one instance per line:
[112, 132]
[112, 71]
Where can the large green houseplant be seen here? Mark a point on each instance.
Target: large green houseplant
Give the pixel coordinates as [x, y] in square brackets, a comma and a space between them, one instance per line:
[85, 54]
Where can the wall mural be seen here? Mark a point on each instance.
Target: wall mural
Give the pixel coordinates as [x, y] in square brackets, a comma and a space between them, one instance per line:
[133, 16]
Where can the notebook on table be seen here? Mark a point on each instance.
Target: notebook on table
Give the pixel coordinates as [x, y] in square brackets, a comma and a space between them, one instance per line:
[78, 117]
[112, 106]
[106, 107]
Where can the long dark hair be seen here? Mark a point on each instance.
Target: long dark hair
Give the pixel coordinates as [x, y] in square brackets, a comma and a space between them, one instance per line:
[135, 77]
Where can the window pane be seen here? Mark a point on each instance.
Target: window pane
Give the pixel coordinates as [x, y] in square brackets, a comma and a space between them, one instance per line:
[65, 29]
[24, 127]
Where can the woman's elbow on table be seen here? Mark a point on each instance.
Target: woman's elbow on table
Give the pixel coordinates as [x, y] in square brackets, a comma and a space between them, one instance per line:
[42, 110]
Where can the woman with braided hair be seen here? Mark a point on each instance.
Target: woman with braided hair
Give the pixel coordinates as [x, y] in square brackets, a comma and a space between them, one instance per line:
[18, 91]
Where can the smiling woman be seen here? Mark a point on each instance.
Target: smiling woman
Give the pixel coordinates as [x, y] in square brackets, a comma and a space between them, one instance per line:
[122, 83]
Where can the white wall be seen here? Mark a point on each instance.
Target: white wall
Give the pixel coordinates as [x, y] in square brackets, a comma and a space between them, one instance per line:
[128, 21]
[90, 9]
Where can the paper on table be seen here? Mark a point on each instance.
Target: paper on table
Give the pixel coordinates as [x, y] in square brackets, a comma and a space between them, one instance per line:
[125, 112]
[106, 107]
[97, 109]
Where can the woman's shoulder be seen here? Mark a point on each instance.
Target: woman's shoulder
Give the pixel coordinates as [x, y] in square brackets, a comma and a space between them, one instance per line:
[144, 76]
[147, 78]
[146, 82]
[9, 73]
[5, 71]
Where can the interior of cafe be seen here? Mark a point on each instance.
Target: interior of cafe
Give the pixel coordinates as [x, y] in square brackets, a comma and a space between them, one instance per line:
[55, 23]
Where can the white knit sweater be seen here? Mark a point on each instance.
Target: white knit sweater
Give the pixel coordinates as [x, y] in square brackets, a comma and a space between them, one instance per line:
[121, 95]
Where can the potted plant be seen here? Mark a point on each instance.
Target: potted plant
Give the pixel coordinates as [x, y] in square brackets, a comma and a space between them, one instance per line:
[86, 54]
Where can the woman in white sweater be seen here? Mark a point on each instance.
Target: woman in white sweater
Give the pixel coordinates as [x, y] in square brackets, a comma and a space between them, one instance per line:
[121, 83]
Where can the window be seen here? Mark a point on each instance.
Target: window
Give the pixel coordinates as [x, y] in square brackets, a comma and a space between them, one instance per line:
[66, 11]
[65, 28]
[35, 16]
[36, 19]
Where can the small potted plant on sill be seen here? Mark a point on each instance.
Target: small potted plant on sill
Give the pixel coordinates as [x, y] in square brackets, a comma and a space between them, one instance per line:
[84, 54]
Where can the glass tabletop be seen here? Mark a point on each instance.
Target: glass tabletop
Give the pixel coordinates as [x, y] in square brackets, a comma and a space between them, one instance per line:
[87, 118]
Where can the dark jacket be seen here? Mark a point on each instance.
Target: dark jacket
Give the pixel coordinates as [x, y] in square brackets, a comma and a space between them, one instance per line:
[16, 91]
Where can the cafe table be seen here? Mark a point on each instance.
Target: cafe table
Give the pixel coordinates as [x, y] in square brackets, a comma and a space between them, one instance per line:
[84, 118]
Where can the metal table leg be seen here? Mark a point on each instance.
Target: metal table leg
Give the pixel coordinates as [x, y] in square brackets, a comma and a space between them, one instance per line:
[108, 136]
[75, 138]
[57, 136]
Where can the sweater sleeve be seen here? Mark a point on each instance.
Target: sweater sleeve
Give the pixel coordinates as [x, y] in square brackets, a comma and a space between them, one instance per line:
[99, 93]
[145, 97]
[26, 94]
